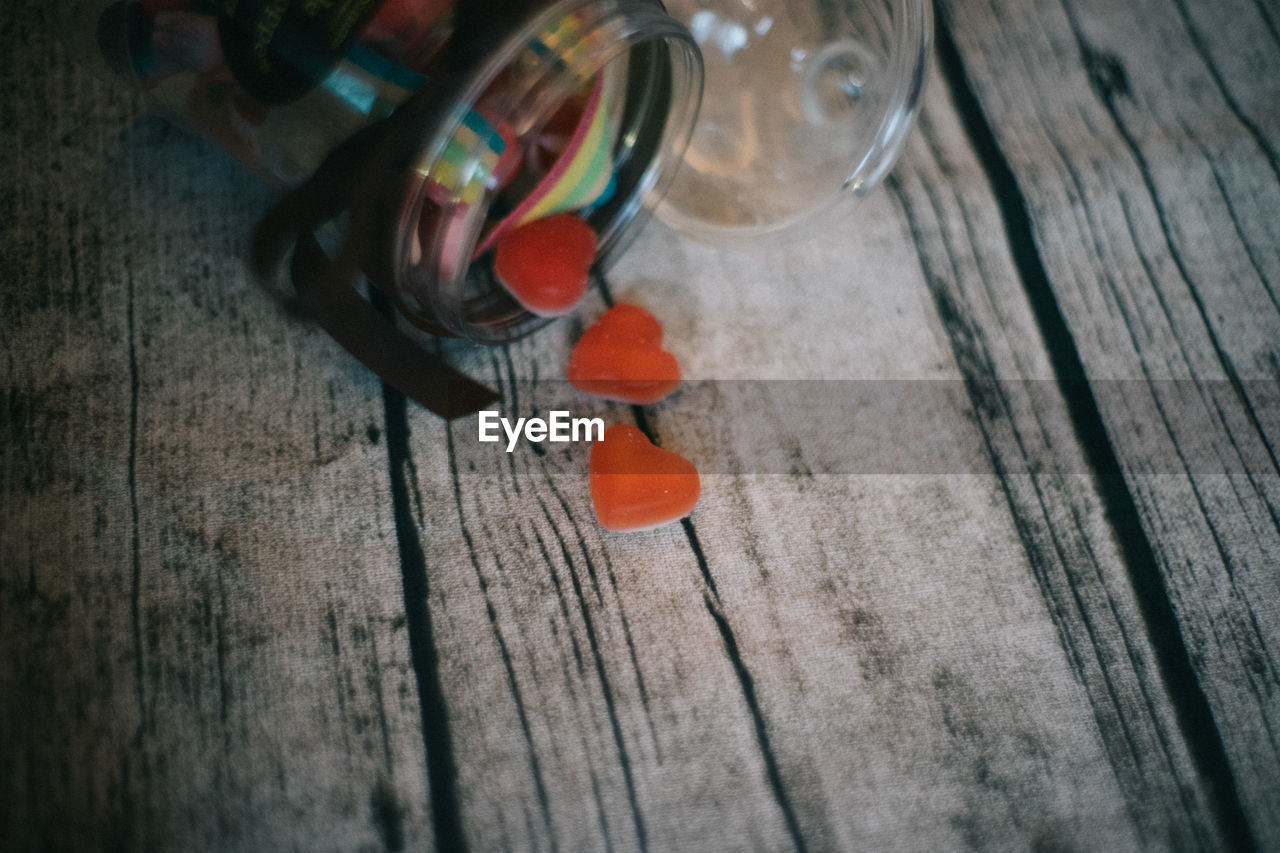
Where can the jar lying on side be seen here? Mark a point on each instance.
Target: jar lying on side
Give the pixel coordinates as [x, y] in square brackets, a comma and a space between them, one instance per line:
[515, 110]
[420, 131]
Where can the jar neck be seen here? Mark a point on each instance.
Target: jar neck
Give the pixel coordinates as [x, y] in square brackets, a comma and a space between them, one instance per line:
[638, 77]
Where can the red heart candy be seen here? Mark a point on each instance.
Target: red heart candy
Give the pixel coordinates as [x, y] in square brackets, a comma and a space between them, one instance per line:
[544, 263]
[635, 485]
[621, 357]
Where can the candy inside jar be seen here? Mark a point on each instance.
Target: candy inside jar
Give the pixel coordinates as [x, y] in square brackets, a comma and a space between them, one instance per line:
[599, 131]
[489, 115]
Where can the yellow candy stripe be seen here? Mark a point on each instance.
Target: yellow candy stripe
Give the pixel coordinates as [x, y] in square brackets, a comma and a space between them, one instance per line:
[581, 174]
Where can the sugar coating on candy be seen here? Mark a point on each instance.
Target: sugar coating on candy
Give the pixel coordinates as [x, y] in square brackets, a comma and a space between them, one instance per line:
[620, 357]
[544, 264]
[636, 485]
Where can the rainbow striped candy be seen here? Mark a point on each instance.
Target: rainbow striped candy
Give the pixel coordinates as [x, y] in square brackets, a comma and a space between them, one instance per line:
[582, 174]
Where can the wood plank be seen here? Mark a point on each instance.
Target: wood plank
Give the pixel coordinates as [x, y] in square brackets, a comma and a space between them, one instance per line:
[1062, 517]
[200, 596]
[1143, 141]
[588, 699]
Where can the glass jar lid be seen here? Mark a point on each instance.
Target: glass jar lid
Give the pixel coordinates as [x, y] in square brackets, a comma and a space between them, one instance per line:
[806, 103]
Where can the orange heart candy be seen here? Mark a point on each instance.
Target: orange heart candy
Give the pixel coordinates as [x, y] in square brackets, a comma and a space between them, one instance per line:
[637, 486]
[544, 263]
[621, 358]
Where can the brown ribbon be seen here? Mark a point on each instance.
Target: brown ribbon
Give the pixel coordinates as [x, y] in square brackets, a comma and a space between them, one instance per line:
[365, 178]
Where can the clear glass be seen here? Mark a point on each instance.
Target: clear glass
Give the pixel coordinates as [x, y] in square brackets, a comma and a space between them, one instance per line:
[808, 103]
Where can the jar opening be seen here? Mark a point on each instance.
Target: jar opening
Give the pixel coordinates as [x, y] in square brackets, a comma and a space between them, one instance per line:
[588, 108]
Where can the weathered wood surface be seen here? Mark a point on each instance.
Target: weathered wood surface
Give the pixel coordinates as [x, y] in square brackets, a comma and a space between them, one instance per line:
[1143, 138]
[252, 601]
[200, 599]
[1073, 543]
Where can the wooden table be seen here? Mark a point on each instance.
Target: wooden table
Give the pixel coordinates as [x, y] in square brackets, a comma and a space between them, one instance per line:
[251, 600]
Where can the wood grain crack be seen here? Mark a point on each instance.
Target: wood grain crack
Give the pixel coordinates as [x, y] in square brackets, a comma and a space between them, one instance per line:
[1191, 705]
[624, 759]
[772, 771]
[442, 770]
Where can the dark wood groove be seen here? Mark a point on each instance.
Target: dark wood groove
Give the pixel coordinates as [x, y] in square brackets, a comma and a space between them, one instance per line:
[560, 597]
[1191, 705]
[600, 812]
[1258, 488]
[772, 770]
[628, 640]
[1223, 554]
[1028, 542]
[597, 797]
[135, 574]
[747, 683]
[380, 703]
[1270, 21]
[1107, 97]
[606, 690]
[1227, 563]
[1233, 216]
[582, 548]
[1137, 665]
[631, 649]
[971, 353]
[339, 687]
[1094, 229]
[504, 653]
[522, 714]
[442, 769]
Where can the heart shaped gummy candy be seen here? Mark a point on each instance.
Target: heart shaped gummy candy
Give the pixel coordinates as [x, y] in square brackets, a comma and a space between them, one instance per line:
[637, 486]
[544, 264]
[621, 358]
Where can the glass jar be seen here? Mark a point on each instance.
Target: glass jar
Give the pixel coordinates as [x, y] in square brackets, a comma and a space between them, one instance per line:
[418, 131]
